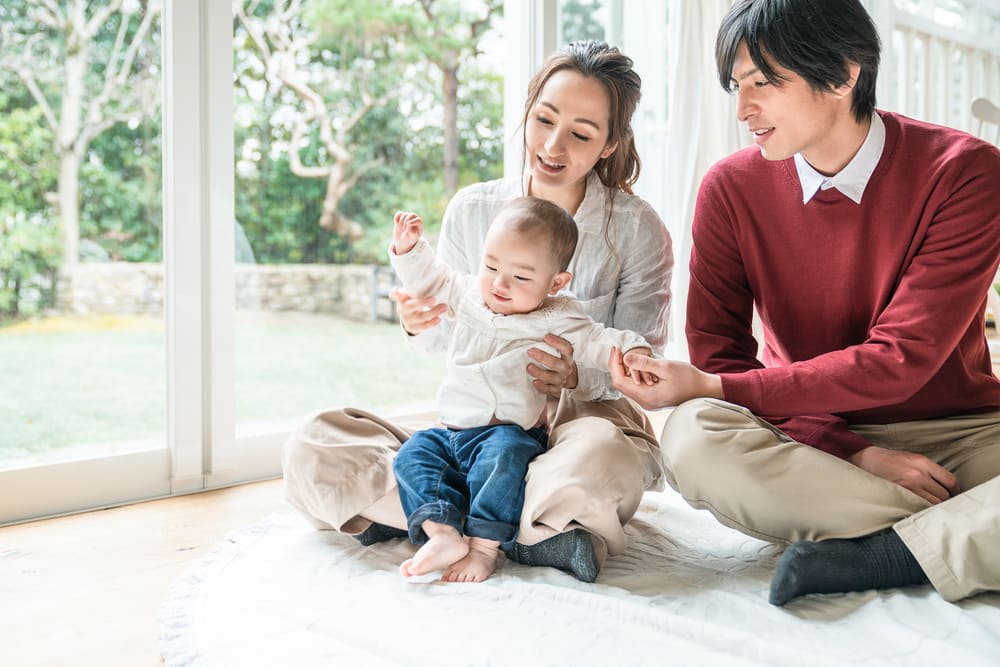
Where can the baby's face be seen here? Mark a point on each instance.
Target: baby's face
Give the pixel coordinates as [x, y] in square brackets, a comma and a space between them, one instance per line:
[517, 272]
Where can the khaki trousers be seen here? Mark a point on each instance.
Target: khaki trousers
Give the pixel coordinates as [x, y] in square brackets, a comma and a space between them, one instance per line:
[601, 457]
[756, 479]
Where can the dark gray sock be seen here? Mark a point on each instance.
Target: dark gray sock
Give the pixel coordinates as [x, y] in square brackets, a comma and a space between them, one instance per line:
[837, 566]
[378, 532]
[571, 552]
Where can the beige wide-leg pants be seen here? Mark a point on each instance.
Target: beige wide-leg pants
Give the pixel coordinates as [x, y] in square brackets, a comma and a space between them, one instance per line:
[601, 457]
[756, 479]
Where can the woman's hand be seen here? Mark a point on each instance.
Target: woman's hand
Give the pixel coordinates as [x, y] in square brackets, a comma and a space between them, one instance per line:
[553, 373]
[417, 314]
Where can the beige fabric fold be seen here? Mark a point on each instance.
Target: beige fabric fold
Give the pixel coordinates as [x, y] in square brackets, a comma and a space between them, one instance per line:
[602, 456]
[338, 463]
[756, 479]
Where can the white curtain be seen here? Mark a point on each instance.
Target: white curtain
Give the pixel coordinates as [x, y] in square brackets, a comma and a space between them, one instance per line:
[701, 129]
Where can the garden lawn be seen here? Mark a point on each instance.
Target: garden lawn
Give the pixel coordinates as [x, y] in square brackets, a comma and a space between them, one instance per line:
[99, 382]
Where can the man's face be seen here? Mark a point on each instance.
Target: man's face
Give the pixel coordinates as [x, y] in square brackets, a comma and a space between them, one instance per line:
[789, 117]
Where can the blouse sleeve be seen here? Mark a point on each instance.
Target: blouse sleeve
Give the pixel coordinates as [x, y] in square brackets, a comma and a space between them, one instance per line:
[642, 296]
[642, 303]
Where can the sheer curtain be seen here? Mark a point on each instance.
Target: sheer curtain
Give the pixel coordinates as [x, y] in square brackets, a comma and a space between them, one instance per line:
[702, 128]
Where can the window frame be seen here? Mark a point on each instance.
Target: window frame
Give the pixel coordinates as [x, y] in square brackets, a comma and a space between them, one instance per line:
[201, 449]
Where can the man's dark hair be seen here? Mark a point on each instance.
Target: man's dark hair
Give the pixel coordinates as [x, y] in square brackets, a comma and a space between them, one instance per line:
[816, 39]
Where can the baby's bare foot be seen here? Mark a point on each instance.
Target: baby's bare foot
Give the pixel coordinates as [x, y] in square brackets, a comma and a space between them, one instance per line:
[445, 546]
[478, 564]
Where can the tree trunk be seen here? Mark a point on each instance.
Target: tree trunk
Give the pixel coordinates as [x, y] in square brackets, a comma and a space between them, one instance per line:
[450, 150]
[70, 119]
[69, 208]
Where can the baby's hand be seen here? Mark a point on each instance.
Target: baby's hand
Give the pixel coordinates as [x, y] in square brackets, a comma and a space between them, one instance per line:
[640, 377]
[406, 231]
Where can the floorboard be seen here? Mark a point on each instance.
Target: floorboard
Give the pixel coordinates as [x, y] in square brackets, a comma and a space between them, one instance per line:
[86, 589]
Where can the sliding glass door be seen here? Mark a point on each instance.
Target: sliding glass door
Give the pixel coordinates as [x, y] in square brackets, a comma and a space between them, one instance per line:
[339, 123]
[82, 372]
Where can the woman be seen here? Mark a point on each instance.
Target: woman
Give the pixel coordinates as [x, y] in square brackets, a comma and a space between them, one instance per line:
[579, 152]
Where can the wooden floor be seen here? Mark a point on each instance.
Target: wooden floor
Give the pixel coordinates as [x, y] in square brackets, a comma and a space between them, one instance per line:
[86, 589]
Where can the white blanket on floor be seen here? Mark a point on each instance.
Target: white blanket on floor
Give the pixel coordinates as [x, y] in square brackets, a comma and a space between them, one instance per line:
[687, 592]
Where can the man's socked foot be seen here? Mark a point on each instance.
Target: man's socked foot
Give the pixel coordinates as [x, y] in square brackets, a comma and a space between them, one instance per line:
[378, 532]
[571, 552]
[876, 562]
[477, 565]
[444, 548]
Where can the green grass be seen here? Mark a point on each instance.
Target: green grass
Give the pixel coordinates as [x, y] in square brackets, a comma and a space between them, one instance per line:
[287, 365]
[99, 381]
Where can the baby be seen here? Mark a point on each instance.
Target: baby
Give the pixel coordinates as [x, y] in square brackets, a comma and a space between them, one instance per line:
[462, 486]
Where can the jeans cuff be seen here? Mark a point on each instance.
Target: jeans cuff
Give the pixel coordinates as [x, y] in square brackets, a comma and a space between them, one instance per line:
[504, 533]
[439, 512]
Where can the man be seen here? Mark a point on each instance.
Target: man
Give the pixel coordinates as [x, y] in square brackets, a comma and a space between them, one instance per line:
[869, 434]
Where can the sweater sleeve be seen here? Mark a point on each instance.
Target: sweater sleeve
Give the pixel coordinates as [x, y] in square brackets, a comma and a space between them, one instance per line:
[592, 341]
[720, 301]
[424, 274]
[942, 290]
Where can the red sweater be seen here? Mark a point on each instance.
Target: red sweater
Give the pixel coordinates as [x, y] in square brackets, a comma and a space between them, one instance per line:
[872, 313]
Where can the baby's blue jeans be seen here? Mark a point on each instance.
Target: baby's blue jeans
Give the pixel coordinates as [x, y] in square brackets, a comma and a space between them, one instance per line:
[470, 479]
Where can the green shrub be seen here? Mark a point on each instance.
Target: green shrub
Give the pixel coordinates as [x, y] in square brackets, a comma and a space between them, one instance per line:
[30, 254]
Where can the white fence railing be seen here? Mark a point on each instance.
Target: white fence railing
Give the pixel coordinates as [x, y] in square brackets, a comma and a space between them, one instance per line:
[939, 71]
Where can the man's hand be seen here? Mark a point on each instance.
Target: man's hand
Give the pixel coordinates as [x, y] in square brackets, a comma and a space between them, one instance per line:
[406, 231]
[638, 376]
[553, 374]
[913, 472]
[675, 382]
[417, 314]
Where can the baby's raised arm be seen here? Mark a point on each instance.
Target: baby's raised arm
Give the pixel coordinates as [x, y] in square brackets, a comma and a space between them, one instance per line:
[407, 229]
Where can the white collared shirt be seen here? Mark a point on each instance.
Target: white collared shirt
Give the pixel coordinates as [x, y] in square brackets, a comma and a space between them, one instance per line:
[852, 179]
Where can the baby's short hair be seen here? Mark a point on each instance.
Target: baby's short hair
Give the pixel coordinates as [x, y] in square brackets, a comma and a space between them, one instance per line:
[545, 221]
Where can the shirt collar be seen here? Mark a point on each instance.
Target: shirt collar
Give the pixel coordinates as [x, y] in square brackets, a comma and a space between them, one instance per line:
[852, 180]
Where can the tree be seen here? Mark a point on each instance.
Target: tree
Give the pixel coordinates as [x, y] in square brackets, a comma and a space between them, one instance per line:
[29, 240]
[339, 83]
[121, 210]
[579, 20]
[88, 66]
[452, 32]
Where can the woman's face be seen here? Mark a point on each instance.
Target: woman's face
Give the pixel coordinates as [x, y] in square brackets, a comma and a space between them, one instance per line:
[566, 132]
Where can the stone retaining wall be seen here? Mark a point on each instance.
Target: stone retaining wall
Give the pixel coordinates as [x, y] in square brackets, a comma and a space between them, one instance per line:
[349, 290]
